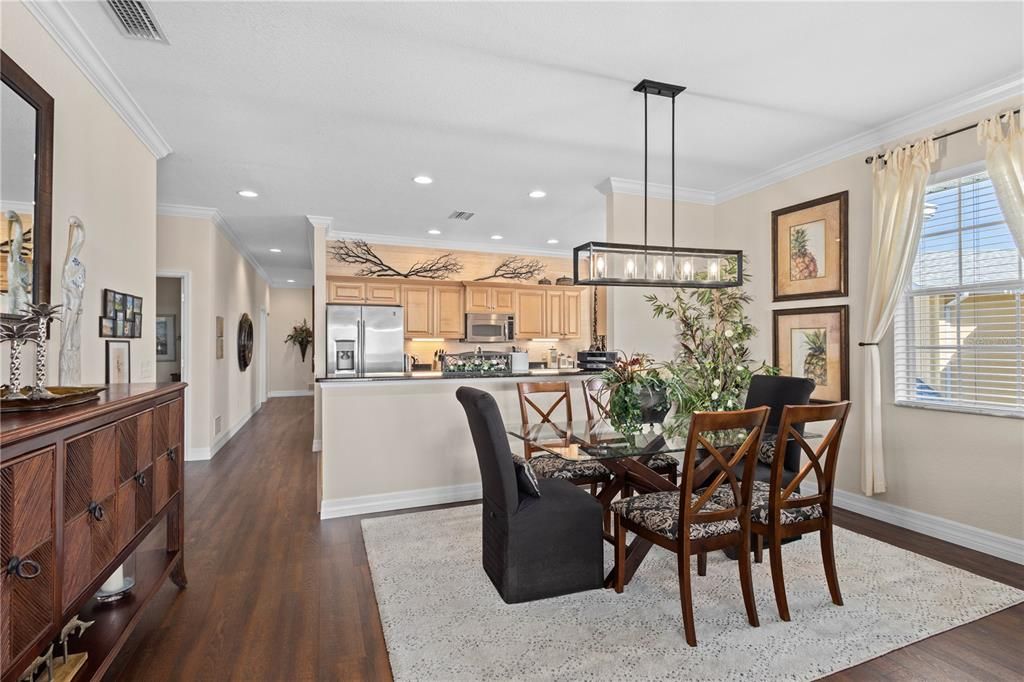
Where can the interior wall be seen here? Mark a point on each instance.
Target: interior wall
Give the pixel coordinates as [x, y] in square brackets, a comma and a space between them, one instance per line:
[289, 373]
[940, 463]
[103, 174]
[168, 303]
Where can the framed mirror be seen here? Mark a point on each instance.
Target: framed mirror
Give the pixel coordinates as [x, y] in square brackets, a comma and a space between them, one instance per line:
[26, 181]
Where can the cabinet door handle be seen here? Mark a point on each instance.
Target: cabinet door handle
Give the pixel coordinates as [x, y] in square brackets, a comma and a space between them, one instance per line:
[25, 569]
[170, 454]
[96, 509]
[140, 478]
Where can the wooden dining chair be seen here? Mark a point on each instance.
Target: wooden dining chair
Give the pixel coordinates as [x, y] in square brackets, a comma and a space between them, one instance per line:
[595, 397]
[779, 512]
[688, 521]
[545, 464]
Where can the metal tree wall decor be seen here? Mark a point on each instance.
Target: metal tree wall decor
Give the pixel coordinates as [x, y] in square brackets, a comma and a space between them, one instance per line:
[515, 268]
[358, 252]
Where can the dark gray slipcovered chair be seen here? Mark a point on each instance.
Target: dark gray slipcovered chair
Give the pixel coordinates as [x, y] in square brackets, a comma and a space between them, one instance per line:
[777, 392]
[533, 547]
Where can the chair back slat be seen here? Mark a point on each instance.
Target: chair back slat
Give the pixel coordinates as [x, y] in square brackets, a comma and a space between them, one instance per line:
[529, 407]
[822, 460]
[595, 398]
[724, 463]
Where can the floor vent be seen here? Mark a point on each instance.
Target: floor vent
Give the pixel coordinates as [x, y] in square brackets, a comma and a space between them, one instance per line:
[135, 20]
[461, 215]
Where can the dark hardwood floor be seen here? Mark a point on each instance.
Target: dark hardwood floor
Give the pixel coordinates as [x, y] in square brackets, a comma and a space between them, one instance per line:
[275, 594]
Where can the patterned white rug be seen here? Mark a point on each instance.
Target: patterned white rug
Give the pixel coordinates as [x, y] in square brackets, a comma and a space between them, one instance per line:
[443, 620]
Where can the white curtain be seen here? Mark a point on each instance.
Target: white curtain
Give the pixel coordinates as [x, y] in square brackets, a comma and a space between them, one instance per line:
[900, 180]
[1004, 158]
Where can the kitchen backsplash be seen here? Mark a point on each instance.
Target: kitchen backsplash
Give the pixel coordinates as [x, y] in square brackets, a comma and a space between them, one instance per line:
[537, 350]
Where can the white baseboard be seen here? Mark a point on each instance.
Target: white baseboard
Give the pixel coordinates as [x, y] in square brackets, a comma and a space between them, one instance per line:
[406, 499]
[290, 394]
[318, 445]
[978, 539]
[199, 454]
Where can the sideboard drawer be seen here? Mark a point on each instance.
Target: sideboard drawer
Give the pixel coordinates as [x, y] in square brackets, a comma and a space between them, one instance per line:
[90, 541]
[134, 444]
[90, 470]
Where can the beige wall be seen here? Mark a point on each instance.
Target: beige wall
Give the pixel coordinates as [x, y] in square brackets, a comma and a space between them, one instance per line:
[103, 174]
[288, 372]
[631, 328]
[961, 467]
[222, 283]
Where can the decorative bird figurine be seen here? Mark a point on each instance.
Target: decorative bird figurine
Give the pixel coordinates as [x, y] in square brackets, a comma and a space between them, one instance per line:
[41, 314]
[19, 272]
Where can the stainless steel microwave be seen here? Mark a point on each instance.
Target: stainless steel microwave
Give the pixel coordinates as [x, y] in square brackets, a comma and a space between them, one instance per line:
[490, 327]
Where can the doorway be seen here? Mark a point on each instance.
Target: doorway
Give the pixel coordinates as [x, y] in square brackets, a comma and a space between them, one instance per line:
[172, 338]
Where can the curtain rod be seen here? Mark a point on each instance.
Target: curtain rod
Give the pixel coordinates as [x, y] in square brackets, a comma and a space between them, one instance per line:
[940, 137]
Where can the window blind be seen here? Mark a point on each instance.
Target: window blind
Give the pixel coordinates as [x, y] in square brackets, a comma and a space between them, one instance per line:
[959, 330]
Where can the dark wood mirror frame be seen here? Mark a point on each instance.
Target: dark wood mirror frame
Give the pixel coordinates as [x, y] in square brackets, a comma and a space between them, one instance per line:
[16, 79]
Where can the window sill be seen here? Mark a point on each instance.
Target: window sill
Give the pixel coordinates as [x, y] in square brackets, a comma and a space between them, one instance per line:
[977, 411]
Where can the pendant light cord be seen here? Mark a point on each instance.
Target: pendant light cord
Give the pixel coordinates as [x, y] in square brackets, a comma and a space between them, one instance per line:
[645, 177]
[673, 174]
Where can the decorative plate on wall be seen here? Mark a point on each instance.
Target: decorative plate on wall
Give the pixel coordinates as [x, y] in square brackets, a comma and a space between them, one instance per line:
[244, 342]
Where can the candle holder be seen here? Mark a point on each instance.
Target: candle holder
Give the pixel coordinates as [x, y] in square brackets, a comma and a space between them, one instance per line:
[120, 583]
[18, 333]
[40, 315]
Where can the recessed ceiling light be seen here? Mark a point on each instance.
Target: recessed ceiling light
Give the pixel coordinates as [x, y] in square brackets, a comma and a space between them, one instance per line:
[290, 281]
[496, 236]
[275, 251]
[433, 231]
[538, 194]
[248, 193]
[552, 241]
[422, 180]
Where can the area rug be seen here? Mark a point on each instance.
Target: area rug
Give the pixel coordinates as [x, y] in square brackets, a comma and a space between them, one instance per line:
[443, 620]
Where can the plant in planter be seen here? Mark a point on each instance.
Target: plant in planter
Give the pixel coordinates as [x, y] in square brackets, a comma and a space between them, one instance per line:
[638, 393]
[301, 336]
[712, 368]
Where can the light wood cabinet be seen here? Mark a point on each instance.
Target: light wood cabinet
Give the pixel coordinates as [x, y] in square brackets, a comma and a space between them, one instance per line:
[347, 292]
[419, 311]
[485, 299]
[450, 304]
[379, 293]
[504, 300]
[563, 314]
[530, 308]
[383, 294]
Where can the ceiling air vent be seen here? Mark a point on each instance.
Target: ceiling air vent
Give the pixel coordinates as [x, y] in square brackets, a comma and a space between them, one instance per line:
[461, 215]
[135, 20]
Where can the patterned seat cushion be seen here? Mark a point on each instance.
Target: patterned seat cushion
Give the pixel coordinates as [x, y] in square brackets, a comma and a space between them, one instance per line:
[551, 466]
[662, 461]
[659, 513]
[766, 453]
[759, 504]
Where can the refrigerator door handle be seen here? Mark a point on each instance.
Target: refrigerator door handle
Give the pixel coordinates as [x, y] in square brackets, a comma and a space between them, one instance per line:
[361, 360]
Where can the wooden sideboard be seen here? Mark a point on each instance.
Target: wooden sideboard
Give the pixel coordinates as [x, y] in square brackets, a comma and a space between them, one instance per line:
[82, 489]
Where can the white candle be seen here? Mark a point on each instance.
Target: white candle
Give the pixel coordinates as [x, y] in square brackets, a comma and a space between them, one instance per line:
[115, 582]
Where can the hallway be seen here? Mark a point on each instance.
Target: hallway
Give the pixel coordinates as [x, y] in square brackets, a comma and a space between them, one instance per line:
[276, 594]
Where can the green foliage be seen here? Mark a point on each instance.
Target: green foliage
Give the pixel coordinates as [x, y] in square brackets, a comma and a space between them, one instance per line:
[712, 368]
[302, 336]
[632, 383]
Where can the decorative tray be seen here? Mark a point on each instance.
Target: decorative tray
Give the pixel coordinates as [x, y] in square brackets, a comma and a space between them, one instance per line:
[63, 397]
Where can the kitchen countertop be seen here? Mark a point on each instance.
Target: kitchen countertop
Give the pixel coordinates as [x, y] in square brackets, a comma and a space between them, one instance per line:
[428, 376]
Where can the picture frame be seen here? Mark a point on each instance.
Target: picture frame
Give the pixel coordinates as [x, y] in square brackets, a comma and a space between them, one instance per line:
[129, 328]
[814, 343]
[119, 328]
[129, 306]
[108, 303]
[220, 347]
[220, 326]
[810, 249]
[166, 338]
[119, 362]
[137, 326]
[106, 327]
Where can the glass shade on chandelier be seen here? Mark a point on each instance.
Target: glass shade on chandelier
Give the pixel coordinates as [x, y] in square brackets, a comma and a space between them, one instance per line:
[603, 263]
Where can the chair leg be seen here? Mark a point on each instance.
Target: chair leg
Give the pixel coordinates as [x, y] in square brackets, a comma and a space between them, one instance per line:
[702, 563]
[620, 555]
[759, 549]
[686, 596]
[828, 558]
[778, 581]
[593, 488]
[746, 582]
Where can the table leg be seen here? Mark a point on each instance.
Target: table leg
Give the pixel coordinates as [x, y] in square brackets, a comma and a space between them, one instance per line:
[635, 554]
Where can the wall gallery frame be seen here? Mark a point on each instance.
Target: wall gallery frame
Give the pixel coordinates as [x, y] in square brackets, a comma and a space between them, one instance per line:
[122, 315]
[810, 249]
[166, 338]
[814, 343]
[119, 362]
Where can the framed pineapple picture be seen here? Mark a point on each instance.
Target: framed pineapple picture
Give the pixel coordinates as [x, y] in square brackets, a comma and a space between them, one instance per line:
[814, 343]
[809, 249]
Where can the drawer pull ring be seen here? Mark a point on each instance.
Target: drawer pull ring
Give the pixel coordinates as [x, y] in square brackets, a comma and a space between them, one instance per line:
[170, 453]
[96, 509]
[140, 478]
[23, 568]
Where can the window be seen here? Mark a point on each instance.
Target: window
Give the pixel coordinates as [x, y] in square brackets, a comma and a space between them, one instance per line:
[958, 330]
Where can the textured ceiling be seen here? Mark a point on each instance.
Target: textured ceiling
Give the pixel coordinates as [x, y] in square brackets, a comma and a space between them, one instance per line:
[331, 108]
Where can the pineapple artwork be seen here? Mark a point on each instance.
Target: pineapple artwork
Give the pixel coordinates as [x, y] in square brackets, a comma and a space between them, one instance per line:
[807, 251]
[814, 345]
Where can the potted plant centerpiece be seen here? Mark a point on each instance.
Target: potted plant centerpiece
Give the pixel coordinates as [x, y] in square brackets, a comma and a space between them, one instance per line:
[637, 393]
[712, 369]
[301, 336]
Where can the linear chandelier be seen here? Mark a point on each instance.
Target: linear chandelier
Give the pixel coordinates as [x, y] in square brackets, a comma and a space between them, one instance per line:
[608, 264]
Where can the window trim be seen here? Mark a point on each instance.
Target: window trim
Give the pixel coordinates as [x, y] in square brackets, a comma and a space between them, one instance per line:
[961, 408]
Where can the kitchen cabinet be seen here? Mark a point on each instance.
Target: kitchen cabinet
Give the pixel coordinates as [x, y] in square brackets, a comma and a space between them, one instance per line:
[419, 311]
[450, 303]
[383, 294]
[379, 293]
[347, 292]
[485, 299]
[530, 309]
[563, 314]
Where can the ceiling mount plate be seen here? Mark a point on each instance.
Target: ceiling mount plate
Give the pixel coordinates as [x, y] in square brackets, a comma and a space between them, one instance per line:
[649, 87]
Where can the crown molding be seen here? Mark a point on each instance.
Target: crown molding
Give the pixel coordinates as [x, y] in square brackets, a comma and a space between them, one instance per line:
[320, 221]
[184, 211]
[68, 34]
[882, 136]
[391, 240]
[655, 190]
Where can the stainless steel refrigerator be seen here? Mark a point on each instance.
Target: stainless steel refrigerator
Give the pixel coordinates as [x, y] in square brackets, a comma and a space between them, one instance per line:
[364, 339]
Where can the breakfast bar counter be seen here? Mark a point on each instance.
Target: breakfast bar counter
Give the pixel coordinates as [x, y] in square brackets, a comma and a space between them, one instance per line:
[399, 441]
